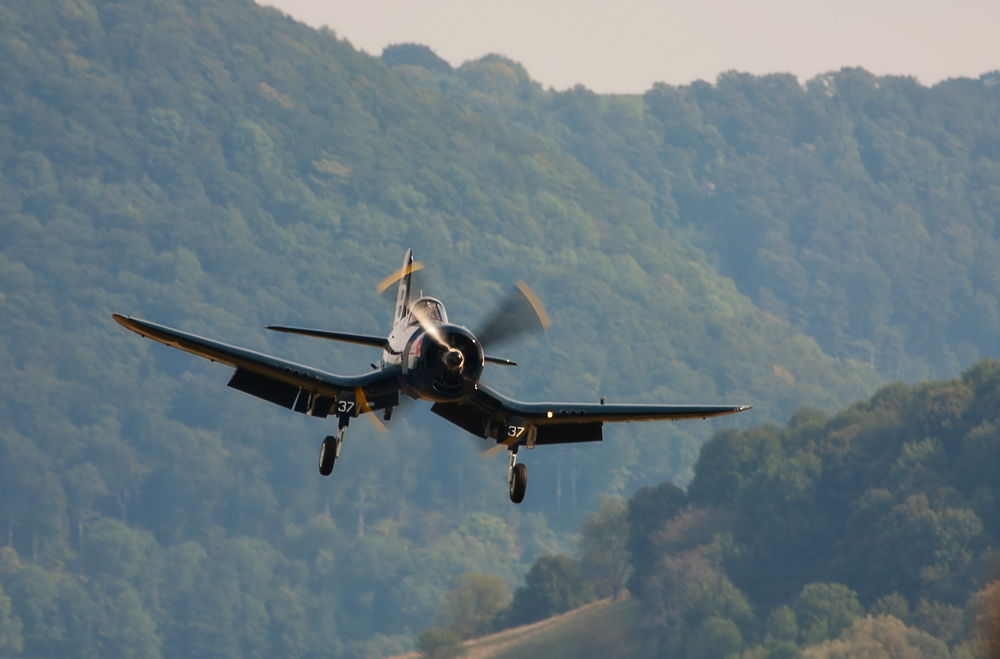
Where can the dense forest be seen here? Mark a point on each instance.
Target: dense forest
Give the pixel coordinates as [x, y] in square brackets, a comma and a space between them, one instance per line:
[215, 166]
[861, 209]
[889, 506]
[869, 533]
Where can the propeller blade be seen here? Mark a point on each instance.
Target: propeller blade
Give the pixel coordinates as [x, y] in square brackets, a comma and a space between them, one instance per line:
[364, 408]
[432, 329]
[493, 450]
[397, 275]
[519, 313]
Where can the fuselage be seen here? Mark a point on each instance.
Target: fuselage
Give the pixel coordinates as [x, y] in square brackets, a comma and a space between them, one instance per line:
[440, 362]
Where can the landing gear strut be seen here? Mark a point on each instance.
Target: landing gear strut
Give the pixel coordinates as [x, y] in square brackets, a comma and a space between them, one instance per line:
[329, 450]
[517, 476]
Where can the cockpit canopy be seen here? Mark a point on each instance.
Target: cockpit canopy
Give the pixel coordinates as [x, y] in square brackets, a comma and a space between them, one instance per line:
[429, 308]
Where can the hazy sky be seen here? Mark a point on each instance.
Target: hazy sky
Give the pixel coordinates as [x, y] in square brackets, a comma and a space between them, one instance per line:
[626, 46]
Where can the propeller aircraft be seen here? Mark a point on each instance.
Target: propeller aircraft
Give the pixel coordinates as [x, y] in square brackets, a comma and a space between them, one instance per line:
[425, 357]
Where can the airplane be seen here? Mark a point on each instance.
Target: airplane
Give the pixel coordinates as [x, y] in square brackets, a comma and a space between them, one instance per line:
[425, 357]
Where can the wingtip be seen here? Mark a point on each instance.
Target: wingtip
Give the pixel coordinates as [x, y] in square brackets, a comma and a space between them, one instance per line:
[129, 323]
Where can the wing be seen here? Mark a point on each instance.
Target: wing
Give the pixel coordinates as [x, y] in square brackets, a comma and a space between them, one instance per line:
[490, 414]
[295, 386]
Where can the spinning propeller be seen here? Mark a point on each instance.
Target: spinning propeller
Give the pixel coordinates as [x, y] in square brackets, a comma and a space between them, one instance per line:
[519, 313]
[397, 275]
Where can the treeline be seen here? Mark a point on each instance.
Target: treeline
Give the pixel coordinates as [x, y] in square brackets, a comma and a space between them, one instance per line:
[872, 530]
[862, 209]
[793, 532]
[215, 166]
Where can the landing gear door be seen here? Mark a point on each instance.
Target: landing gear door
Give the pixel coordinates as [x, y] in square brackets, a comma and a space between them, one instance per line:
[515, 427]
[346, 405]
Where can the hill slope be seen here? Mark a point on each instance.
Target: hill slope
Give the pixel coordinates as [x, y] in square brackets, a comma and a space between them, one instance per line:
[218, 167]
[862, 209]
[600, 629]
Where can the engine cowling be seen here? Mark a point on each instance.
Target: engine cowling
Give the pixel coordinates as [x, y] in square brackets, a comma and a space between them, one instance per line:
[443, 371]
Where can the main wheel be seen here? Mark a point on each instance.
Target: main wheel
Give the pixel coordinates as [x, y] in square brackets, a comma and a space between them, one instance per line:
[327, 455]
[519, 483]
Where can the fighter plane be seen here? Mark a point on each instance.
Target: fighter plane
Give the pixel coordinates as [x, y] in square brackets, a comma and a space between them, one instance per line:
[425, 357]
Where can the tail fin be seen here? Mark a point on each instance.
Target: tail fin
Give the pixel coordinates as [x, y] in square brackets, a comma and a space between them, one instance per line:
[403, 294]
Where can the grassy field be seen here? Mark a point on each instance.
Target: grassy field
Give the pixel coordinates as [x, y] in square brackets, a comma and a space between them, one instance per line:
[599, 629]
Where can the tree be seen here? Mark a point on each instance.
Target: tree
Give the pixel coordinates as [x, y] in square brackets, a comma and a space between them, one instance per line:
[714, 638]
[472, 607]
[823, 610]
[34, 594]
[982, 614]
[439, 643]
[553, 585]
[604, 559]
[11, 640]
[781, 624]
[648, 509]
[882, 636]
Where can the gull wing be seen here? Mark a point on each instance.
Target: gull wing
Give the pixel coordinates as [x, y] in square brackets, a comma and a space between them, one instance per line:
[277, 380]
[488, 413]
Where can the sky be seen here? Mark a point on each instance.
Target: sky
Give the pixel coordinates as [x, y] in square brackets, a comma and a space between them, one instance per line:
[627, 45]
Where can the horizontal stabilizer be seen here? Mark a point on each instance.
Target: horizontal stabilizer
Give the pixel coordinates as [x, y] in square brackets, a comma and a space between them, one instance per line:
[361, 339]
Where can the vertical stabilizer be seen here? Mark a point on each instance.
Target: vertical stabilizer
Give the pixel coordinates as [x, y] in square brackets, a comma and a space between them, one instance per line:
[403, 295]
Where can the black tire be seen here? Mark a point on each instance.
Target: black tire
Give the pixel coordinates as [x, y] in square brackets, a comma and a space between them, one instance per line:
[519, 484]
[327, 455]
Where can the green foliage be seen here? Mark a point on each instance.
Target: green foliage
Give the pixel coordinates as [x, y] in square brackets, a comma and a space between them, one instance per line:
[882, 496]
[411, 54]
[713, 596]
[648, 509]
[823, 610]
[715, 637]
[553, 585]
[472, 608]
[782, 625]
[883, 636]
[604, 559]
[440, 643]
[11, 640]
[940, 620]
[825, 202]
[218, 167]
[894, 605]
[982, 620]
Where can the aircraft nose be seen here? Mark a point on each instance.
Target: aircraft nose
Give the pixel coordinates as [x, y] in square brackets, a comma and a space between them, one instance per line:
[453, 360]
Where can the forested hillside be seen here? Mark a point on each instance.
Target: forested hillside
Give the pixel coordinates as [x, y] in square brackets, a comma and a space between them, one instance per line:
[873, 532]
[862, 209]
[217, 167]
[788, 535]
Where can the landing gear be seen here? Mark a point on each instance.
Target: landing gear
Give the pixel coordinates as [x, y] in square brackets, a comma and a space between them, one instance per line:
[517, 476]
[329, 450]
